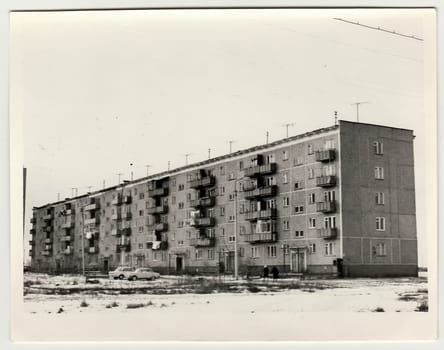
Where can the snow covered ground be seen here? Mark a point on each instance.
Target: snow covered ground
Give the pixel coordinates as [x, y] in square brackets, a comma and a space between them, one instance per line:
[171, 295]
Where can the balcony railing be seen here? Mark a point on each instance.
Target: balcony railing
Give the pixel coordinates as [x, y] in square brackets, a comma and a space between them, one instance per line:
[265, 237]
[326, 181]
[46, 252]
[116, 216]
[31, 242]
[48, 240]
[328, 233]
[117, 200]
[203, 202]
[68, 251]
[261, 214]
[123, 247]
[69, 212]
[92, 206]
[203, 182]
[326, 155]
[31, 252]
[48, 217]
[259, 170]
[91, 234]
[92, 221]
[158, 192]
[68, 224]
[66, 239]
[92, 250]
[161, 209]
[267, 191]
[126, 199]
[202, 222]
[32, 231]
[33, 220]
[159, 245]
[326, 207]
[161, 226]
[202, 242]
[48, 229]
[128, 215]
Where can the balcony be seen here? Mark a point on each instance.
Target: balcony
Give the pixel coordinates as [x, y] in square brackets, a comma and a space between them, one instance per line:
[48, 229]
[326, 181]
[33, 220]
[69, 212]
[328, 233]
[161, 227]
[125, 231]
[161, 209]
[326, 207]
[46, 252]
[126, 199]
[261, 214]
[205, 181]
[68, 224]
[264, 237]
[92, 206]
[91, 234]
[202, 242]
[68, 251]
[267, 191]
[259, 170]
[48, 240]
[31, 242]
[48, 217]
[158, 192]
[123, 248]
[159, 245]
[326, 155]
[66, 238]
[32, 231]
[116, 216]
[117, 200]
[91, 221]
[203, 202]
[203, 222]
[128, 215]
[115, 232]
[31, 252]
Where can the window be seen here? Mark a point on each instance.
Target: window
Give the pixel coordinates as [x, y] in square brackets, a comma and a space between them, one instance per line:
[329, 170]
[231, 239]
[241, 252]
[298, 185]
[298, 161]
[310, 148]
[329, 249]
[311, 173]
[284, 155]
[188, 197]
[141, 195]
[379, 173]
[181, 187]
[140, 229]
[329, 144]
[271, 251]
[231, 218]
[380, 224]
[299, 209]
[241, 165]
[330, 222]
[380, 198]
[312, 248]
[148, 245]
[222, 170]
[140, 212]
[311, 198]
[231, 176]
[198, 254]
[231, 197]
[285, 178]
[270, 159]
[222, 211]
[255, 252]
[180, 242]
[221, 190]
[242, 230]
[173, 200]
[135, 191]
[270, 181]
[180, 223]
[380, 249]
[286, 201]
[140, 245]
[271, 203]
[299, 233]
[378, 147]
[241, 208]
[329, 196]
[173, 236]
[210, 253]
[222, 231]
[285, 225]
[311, 223]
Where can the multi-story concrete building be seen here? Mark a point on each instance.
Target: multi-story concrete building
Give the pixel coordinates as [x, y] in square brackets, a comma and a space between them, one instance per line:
[338, 200]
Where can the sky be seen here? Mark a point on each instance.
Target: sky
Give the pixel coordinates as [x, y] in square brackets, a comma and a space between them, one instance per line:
[98, 91]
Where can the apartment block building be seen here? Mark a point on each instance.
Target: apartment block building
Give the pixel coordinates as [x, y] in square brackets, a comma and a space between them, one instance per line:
[338, 201]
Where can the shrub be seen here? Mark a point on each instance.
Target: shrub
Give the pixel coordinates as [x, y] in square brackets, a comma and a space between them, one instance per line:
[60, 310]
[423, 307]
[253, 289]
[84, 304]
[135, 305]
[379, 309]
[114, 304]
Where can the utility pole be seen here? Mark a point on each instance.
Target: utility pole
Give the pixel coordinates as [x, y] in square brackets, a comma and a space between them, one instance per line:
[119, 175]
[58, 196]
[357, 108]
[336, 117]
[231, 144]
[209, 153]
[147, 169]
[83, 242]
[132, 174]
[186, 157]
[286, 127]
[236, 263]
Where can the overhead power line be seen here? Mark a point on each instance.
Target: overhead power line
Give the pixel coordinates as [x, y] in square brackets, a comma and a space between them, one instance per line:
[380, 29]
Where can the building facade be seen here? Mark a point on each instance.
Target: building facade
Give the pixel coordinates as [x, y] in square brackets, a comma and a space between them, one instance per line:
[338, 201]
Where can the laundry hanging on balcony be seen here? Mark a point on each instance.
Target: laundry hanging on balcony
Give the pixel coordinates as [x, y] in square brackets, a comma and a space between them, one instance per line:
[156, 245]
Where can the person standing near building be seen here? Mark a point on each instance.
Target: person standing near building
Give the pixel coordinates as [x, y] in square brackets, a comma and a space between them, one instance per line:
[266, 271]
[275, 273]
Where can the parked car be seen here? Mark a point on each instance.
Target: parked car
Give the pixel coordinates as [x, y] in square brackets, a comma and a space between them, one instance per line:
[143, 273]
[121, 272]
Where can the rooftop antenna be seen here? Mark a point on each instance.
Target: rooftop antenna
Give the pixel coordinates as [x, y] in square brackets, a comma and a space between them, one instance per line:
[147, 169]
[103, 183]
[267, 134]
[58, 196]
[209, 153]
[357, 108]
[186, 157]
[89, 188]
[231, 144]
[119, 175]
[336, 117]
[132, 174]
[286, 127]
[169, 164]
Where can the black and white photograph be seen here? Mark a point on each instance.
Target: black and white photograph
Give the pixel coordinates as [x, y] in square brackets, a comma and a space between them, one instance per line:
[224, 174]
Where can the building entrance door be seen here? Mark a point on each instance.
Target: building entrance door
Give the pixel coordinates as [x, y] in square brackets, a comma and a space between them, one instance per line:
[105, 265]
[229, 262]
[179, 264]
[298, 261]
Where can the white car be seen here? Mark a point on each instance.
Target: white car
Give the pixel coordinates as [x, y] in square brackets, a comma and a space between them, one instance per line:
[121, 272]
[142, 273]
